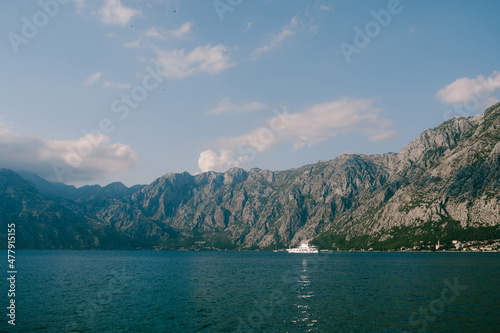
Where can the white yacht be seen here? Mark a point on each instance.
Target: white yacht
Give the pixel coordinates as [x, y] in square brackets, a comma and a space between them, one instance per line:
[304, 248]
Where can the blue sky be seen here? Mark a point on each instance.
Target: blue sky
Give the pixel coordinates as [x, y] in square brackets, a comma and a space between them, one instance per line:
[114, 90]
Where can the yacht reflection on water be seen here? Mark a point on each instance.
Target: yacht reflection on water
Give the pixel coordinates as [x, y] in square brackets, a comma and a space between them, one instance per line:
[305, 318]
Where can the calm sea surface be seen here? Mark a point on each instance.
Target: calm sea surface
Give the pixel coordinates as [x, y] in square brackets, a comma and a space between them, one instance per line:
[143, 291]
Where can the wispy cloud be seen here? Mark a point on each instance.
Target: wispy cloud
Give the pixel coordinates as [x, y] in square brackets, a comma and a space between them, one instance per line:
[303, 129]
[134, 45]
[113, 12]
[313, 30]
[93, 78]
[278, 39]
[327, 8]
[249, 25]
[480, 89]
[225, 106]
[98, 77]
[160, 33]
[205, 59]
[117, 85]
[98, 157]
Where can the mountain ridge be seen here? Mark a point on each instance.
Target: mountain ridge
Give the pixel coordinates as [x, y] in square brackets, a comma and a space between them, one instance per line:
[443, 182]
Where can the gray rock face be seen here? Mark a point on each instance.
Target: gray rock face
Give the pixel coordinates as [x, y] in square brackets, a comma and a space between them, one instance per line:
[39, 222]
[448, 173]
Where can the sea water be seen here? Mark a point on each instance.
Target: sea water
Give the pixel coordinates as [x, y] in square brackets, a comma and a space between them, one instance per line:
[147, 291]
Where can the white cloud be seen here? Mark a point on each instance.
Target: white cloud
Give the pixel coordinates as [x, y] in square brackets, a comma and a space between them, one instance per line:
[87, 158]
[225, 159]
[159, 33]
[277, 40]
[225, 106]
[97, 77]
[315, 124]
[465, 90]
[313, 30]
[154, 32]
[93, 78]
[327, 8]
[249, 25]
[117, 85]
[207, 59]
[134, 45]
[113, 12]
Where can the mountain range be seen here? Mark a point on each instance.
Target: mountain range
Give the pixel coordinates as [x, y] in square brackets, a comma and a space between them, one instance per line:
[444, 185]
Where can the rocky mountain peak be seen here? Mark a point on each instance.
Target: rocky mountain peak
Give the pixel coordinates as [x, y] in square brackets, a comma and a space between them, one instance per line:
[444, 183]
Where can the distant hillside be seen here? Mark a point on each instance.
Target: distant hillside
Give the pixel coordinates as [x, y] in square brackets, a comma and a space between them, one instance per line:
[445, 184]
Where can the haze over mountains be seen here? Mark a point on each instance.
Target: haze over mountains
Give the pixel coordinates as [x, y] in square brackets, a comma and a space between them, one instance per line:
[445, 183]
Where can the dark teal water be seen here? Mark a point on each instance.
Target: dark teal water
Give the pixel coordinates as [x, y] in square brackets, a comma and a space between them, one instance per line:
[142, 291]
